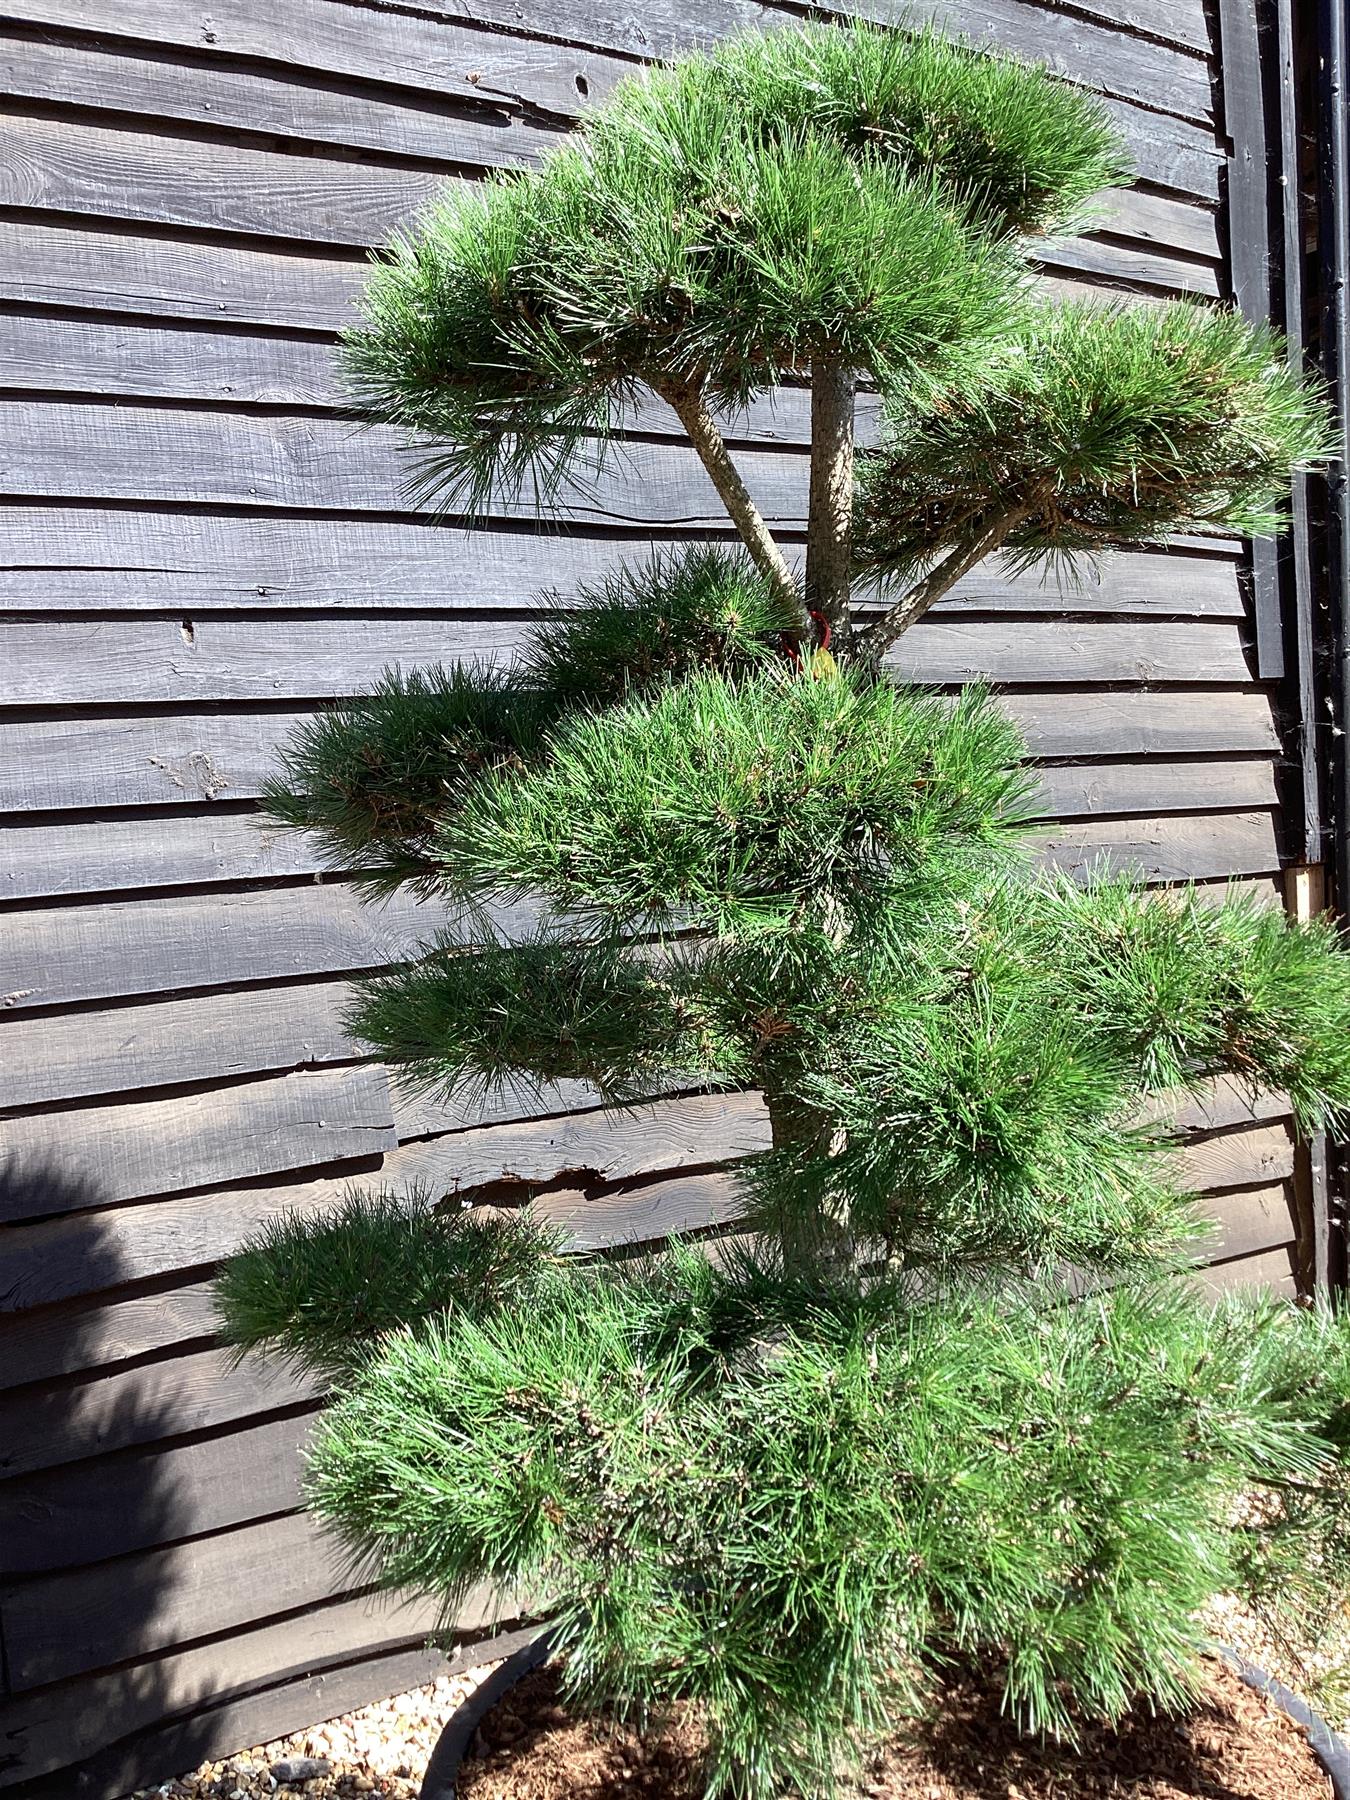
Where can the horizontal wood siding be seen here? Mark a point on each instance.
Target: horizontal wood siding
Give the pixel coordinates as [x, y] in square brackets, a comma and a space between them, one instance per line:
[200, 550]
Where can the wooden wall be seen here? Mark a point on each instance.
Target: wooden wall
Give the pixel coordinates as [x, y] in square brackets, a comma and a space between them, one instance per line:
[198, 549]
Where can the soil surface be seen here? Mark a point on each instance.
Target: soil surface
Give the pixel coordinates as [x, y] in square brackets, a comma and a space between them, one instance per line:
[1234, 1746]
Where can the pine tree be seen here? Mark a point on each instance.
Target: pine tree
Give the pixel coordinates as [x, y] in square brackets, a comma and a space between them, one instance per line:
[949, 1391]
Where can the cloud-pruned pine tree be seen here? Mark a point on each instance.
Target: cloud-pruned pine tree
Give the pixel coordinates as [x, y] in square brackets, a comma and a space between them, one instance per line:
[949, 1392]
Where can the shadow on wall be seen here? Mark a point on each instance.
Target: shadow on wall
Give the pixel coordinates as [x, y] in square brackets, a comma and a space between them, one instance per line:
[78, 1594]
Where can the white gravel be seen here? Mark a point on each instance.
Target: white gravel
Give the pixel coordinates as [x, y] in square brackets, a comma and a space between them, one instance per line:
[380, 1750]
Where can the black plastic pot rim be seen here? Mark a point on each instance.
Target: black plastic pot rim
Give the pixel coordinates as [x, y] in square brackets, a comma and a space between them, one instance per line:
[452, 1746]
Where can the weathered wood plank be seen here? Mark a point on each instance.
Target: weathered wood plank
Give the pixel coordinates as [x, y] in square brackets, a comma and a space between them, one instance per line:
[1086, 52]
[112, 950]
[188, 850]
[145, 560]
[1255, 1220]
[56, 763]
[194, 1038]
[252, 100]
[68, 1624]
[581, 1149]
[1181, 848]
[67, 1339]
[946, 650]
[58, 1259]
[259, 1682]
[114, 357]
[1143, 724]
[118, 271]
[95, 663]
[1135, 787]
[1256, 1157]
[81, 1513]
[445, 56]
[67, 1421]
[129, 1151]
[212, 659]
[451, 55]
[1271, 1270]
[182, 850]
[54, 165]
[1127, 266]
[250, 459]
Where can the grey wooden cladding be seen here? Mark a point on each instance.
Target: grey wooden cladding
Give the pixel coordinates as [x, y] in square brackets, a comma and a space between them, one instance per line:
[54, 1258]
[101, 662]
[201, 550]
[193, 1140]
[202, 1037]
[458, 58]
[411, 125]
[177, 757]
[46, 1729]
[167, 561]
[70, 1623]
[196, 849]
[51, 166]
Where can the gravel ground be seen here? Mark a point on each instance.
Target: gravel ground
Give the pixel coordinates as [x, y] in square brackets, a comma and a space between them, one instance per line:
[1320, 1672]
[380, 1750]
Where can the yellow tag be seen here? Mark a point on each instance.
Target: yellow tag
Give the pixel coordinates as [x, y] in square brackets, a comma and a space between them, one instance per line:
[822, 663]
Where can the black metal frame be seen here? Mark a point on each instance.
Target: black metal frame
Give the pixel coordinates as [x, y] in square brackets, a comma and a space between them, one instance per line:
[1284, 71]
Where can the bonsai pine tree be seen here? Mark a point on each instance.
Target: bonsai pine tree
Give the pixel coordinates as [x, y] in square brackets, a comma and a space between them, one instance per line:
[948, 1391]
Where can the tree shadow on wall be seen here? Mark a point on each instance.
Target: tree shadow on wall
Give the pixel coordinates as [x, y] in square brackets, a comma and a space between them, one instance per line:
[84, 1495]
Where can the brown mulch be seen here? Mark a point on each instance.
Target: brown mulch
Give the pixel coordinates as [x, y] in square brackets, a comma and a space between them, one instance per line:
[1233, 1746]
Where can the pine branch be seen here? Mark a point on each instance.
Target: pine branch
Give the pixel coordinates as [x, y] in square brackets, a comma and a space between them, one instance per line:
[829, 527]
[873, 643]
[690, 406]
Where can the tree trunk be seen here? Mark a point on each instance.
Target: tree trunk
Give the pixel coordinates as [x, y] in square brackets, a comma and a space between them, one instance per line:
[807, 1237]
[691, 408]
[829, 526]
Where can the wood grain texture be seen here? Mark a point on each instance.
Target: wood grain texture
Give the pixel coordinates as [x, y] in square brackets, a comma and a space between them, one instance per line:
[182, 850]
[455, 56]
[66, 1624]
[1269, 1270]
[126, 1152]
[196, 849]
[54, 165]
[135, 269]
[94, 662]
[1168, 849]
[51, 264]
[1247, 1223]
[176, 757]
[157, 561]
[70, 1421]
[110, 950]
[59, 1259]
[217, 94]
[84, 1513]
[206, 1699]
[72, 1056]
[103, 1331]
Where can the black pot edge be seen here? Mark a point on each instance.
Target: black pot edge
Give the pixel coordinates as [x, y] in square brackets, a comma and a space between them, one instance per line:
[442, 1774]
[440, 1780]
[1328, 1746]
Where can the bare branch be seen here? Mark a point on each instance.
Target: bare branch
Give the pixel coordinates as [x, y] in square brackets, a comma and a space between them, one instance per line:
[873, 643]
[691, 408]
